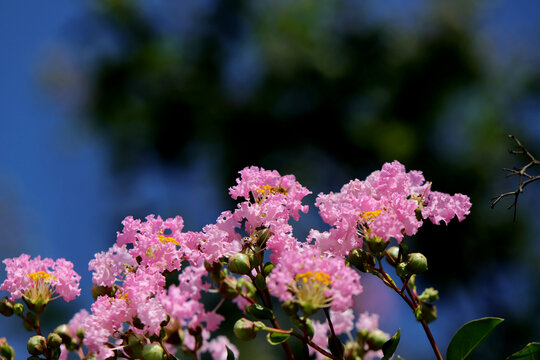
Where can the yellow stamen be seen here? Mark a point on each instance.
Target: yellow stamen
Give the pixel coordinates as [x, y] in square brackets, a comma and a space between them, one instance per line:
[267, 189]
[316, 276]
[36, 276]
[165, 239]
[369, 215]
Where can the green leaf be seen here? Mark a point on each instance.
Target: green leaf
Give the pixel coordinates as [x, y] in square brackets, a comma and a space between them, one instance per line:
[469, 336]
[230, 354]
[260, 312]
[277, 338]
[390, 346]
[529, 352]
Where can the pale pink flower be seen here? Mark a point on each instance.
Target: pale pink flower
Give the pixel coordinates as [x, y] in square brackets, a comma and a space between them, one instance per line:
[108, 267]
[40, 278]
[77, 321]
[155, 241]
[305, 275]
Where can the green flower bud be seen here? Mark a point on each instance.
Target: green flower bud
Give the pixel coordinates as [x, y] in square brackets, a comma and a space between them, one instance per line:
[361, 259]
[152, 352]
[376, 245]
[6, 351]
[376, 339]
[18, 309]
[290, 307]
[263, 236]
[37, 304]
[134, 345]
[268, 267]
[429, 295]
[255, 258]
[401, 270]
[54, 341]
[228, 288]
[392, 255]
[80, 333]
[36, 345]
[6, 307]
[64, 332]
[416, 263]
[429, 312]
[244, 329]
[239, 264]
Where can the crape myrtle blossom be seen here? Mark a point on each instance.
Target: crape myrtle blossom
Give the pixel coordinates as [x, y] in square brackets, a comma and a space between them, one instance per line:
[314, 280]
[154, 241]
[390, 203]
[39, 280]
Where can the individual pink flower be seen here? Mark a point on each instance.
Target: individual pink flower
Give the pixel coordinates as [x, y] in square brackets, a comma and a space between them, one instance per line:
[314, 280]
[263, 185]
[155, 241]
[109, 267]
[40, 280]
[443, 207]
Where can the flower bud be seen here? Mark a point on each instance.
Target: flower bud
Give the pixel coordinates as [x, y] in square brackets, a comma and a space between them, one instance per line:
[401, 270]
[263, 236]
[429, 312]
[18, 309]
[416, 263]
[36, 345]
[174, 332]
[152, 352]
[37, 304]
[429, 295]
[239, 264]
[6, 307]
[376, 245]
[244, 329]
[290, 307]
[255, 259]
[361, 259]
[392, 255]
[64, 332]
[227, 288]
[376, 339]
[54, 341]
[135, 345]
[6, 351]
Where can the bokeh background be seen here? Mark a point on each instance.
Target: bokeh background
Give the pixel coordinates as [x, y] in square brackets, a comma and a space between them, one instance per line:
[112, 108]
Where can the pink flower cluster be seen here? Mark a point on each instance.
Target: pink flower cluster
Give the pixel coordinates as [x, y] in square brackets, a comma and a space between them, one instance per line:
[390, 203]
[53, 277]
[131, 277]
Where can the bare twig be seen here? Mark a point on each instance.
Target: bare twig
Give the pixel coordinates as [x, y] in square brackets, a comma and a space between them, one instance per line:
[524, 178]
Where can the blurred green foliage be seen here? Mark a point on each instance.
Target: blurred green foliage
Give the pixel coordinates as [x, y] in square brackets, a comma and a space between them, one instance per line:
[322, 90]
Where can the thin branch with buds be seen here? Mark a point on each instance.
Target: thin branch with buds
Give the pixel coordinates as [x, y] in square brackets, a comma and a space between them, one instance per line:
[524, 178]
